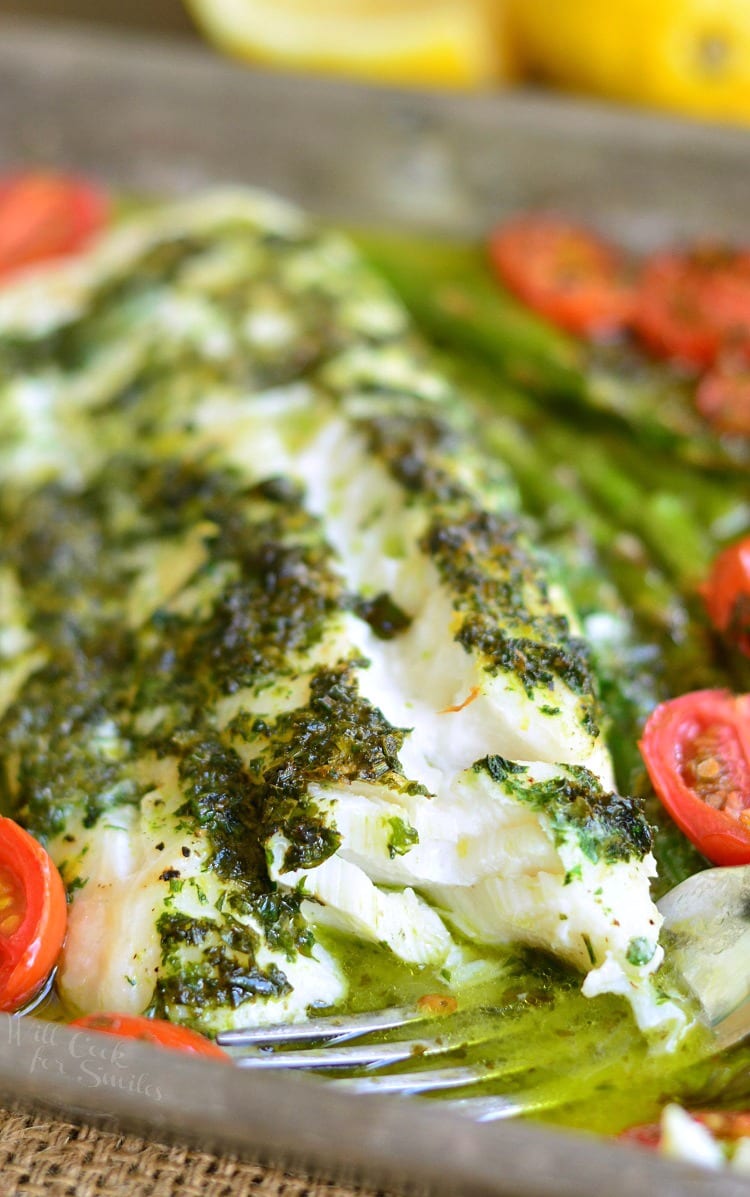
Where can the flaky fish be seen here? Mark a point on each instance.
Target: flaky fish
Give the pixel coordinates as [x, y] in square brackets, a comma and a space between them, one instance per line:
[278, 667]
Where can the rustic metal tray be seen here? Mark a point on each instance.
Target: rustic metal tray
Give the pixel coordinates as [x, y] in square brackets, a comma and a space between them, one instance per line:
[155, 117]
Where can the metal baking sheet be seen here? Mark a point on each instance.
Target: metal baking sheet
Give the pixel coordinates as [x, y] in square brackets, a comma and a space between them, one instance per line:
[154, 117]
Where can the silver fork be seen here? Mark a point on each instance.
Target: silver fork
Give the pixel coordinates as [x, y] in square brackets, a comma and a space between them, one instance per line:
[707, 936]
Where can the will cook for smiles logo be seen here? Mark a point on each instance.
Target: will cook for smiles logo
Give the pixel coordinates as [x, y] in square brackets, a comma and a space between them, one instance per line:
[94, 1062]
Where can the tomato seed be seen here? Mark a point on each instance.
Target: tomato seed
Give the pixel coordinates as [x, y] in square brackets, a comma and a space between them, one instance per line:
[716, 770]
[708, 770]
[12, 903]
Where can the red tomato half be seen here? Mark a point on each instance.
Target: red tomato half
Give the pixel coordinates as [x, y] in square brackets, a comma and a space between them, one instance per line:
[33, 915]
[565, 273]
[723, 398]
[45, 215]
[693, 305]
[697, 752]
[647, 1135]
[726, 594]
[728, 1125]
[725, 1124]
[152, 1030]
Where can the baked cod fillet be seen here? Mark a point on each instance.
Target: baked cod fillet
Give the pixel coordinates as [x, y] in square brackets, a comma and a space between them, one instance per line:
[275, 657]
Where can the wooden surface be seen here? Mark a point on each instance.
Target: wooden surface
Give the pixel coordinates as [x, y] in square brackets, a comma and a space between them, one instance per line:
[167, 15]
[154, 115]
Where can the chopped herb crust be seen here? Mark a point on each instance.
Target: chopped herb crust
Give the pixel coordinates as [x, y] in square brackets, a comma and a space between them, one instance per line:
[385, 617]
[607, 826]
[257, 629]
[494, 578]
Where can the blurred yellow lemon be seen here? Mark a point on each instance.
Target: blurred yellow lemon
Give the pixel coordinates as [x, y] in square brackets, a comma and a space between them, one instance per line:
[692, 56]
[446, 43]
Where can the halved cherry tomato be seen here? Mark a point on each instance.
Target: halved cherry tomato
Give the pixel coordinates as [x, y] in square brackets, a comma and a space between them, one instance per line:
[727, 1125]
[45, 215]
[723, 397]
[565, 273]
[728, 270]
[726, 594]
[33, 916]
[693, 305]
[152, 1030]
[697, 752]
[647, 1135]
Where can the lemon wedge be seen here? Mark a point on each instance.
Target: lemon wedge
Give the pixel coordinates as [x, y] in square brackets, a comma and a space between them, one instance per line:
[446, 43]
[691, 56]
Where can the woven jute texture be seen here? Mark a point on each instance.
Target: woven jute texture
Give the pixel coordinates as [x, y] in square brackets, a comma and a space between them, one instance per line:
[40, 1157]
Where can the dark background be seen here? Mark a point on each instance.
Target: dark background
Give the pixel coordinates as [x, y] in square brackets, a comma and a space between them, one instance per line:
[167, 15]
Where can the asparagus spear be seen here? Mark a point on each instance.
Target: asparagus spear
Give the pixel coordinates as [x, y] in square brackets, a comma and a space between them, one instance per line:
[452, 293]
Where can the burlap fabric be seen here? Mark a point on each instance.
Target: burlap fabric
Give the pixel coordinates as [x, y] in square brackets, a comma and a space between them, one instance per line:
[40, 1157]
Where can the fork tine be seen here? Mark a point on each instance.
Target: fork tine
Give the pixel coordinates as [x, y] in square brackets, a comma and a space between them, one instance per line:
[433, 1080]
[488, 1109]
[340, 1026]
[455, 1076]
[354, 1056]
